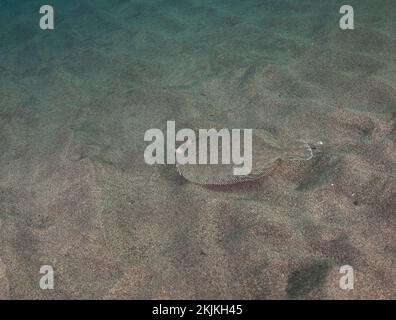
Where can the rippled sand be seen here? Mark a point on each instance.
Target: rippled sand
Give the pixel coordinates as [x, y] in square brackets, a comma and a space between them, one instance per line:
[75, 192]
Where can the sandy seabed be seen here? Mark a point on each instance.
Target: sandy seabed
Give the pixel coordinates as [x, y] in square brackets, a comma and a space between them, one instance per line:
[75, 192]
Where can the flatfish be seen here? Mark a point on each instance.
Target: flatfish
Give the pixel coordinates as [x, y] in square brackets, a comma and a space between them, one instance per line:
[267, 151]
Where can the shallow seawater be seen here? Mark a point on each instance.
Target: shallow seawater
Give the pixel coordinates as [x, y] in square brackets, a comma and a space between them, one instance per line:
[76, 192]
